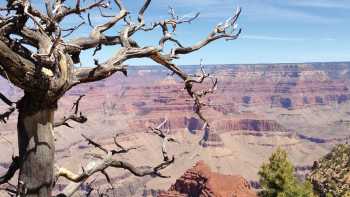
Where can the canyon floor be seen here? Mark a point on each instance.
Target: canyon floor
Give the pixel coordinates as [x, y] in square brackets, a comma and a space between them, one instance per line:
[304, 108]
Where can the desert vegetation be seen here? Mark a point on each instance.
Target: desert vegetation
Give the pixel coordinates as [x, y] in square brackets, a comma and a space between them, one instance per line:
[277, 178]
[330, 175]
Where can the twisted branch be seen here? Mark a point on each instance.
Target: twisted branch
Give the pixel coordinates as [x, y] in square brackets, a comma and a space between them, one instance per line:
[76, 116]
[197, 95]
[103, 161]
[11, 171]
[48, 64]
[6, 115]
[160, 132]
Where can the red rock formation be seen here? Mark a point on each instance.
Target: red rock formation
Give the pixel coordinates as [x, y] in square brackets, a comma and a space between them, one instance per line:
[222, 124]
[244, 124]
[200, 181]
[151, 95]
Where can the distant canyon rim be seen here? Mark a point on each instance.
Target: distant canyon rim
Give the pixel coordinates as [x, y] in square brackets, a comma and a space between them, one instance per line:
[304, 108]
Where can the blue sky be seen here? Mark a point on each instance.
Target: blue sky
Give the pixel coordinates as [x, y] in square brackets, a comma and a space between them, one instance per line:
[273, 30]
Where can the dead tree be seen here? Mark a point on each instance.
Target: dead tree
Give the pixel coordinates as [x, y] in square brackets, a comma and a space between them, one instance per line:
[38, 56]
[103, 161]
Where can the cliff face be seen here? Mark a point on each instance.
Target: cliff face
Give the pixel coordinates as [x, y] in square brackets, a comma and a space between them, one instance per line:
[249, 125]
[286, 85]
[149, 94]
[200, 181]
[255, 109]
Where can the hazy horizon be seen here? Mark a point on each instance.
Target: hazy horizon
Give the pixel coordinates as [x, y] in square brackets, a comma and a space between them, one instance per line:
[261, 63]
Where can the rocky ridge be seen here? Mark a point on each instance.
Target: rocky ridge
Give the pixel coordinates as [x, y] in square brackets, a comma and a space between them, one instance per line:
[200, 181]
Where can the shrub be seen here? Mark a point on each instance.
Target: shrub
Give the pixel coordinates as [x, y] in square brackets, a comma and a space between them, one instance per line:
[277, 178]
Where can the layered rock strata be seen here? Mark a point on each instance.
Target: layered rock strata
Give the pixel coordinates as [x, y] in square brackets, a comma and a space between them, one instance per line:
[200, 181]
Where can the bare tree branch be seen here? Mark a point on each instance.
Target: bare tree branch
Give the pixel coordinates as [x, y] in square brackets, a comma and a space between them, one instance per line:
[97, 37]
[18, 69]
[62, 11]
[102, 162]
[159, 131]
[6, 115]
[95, 144]
[72, 29]
[35, 57]
[122, 148]
[106, 162]
[222, 30]
[76, 116]
[11, 171]
[6, 100]
[142, 12]
[197, 95]
[86, 75]
[173, 22]
[76, 104]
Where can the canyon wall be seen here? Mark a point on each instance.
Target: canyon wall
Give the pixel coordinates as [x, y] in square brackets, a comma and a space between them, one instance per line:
[303, 108]
[150, 94]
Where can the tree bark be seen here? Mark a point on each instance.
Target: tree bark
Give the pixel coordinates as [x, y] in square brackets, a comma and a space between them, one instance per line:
[36, 147]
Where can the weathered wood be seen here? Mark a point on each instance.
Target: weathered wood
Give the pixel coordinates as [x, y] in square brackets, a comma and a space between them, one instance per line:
[35, 57]
[36, 149]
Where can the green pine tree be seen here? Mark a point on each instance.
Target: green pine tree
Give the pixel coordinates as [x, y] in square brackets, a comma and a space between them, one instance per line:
[277, 178]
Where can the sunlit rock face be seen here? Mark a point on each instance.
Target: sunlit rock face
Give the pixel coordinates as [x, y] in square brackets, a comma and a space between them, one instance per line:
[200, 181]
[287, 85]
[303, 108]
[149, 94]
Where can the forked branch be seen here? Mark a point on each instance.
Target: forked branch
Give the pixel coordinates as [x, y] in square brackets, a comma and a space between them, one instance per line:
[197, 95]
[6, 115]
[37, 57]
[14, 166]
[165, 138]
[101, 162]
[76, 116]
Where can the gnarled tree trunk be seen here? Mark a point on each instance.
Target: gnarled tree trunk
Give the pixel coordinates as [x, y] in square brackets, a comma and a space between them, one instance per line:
[38, 56]
[36, 147]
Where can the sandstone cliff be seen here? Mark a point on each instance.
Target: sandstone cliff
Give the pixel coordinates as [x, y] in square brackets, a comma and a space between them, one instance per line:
[200, 181]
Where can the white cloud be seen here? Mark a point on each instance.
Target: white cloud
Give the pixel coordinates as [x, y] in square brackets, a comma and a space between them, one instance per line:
[272, 11]
[259, 10]
[343, 4]
[271, 38]
[329, 39]
[283, 38]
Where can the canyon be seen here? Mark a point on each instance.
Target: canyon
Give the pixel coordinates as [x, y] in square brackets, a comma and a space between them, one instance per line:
[304, 108]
